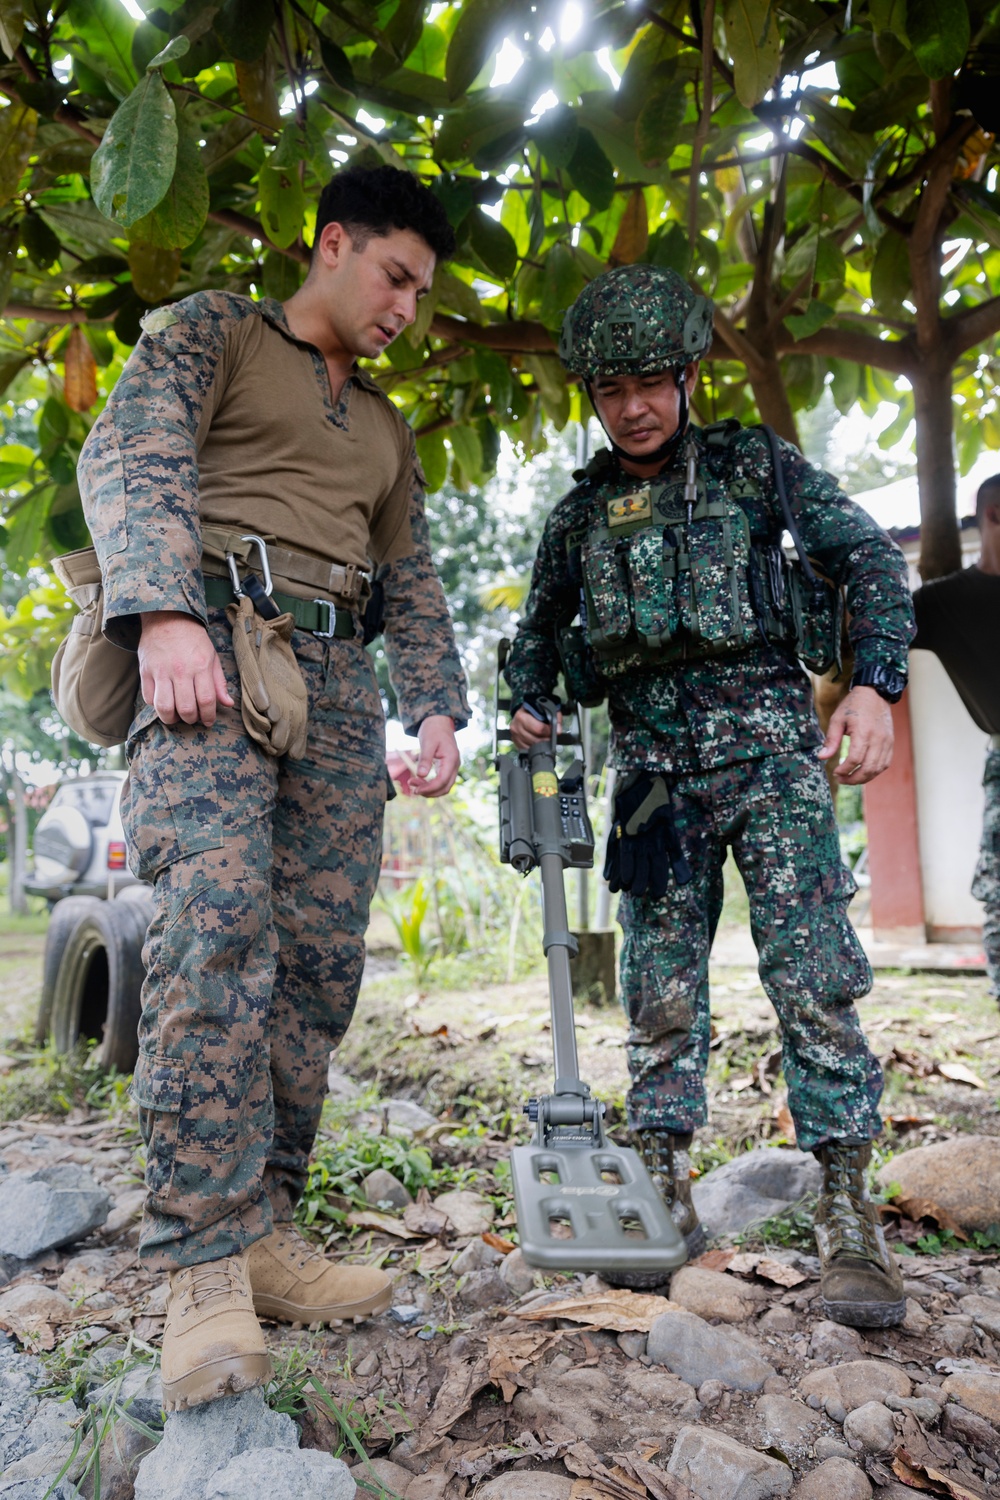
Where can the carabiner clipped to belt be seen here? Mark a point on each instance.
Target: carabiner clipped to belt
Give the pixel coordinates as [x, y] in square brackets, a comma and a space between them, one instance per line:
[258, 593]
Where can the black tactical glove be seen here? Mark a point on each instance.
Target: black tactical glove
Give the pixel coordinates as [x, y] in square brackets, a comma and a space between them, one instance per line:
[643, 846]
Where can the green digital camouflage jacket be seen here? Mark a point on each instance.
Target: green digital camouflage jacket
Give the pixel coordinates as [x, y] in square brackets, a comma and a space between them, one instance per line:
[691, 716]
[222, 416]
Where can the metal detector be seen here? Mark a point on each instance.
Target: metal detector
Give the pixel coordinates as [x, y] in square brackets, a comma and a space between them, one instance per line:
[582, 1203]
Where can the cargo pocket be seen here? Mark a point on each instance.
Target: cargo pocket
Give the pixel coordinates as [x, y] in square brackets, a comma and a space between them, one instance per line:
[651, 565]
[158, 1091]
[171, 807]
[606, 583]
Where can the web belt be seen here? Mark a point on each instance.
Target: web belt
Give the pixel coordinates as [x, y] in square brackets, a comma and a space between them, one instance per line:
[320, 617]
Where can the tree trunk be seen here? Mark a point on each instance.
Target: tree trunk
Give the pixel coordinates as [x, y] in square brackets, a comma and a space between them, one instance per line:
[768, 386]
[17, 843]
[940, 545]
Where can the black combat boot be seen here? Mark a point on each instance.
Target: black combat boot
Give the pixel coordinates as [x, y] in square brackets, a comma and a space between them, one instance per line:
[666, 1159]
[860, 1282]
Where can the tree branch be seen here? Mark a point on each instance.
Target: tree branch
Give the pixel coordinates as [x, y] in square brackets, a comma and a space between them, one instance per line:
[966, 329]
[737, 343]
[704, 119]
[51, 314]
[244, 225]
[507, 338]
[840, 179]
[898, 356]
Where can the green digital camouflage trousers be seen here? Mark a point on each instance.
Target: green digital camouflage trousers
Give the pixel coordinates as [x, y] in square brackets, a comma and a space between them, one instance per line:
[263, 872]
[986, 883]
[776, 815]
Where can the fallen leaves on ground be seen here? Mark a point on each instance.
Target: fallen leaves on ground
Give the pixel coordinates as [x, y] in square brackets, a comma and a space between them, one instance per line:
[958, 1073]
[620, 1311]
[778, 1272]
[385, 1224]
[924, 1476]
[915, 1209]
[509, 1353]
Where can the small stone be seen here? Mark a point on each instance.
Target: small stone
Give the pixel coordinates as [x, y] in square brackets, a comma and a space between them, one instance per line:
[835, 1479]
[711, 1392]
[954, 1333]
[430, 1486]
[989, 1276]
[199, 1442]
[477, 1256]
[139, 1392]
[661, 1393]
[403, 1117]
[31, 1304]
[918, 1321]
[853, 1384]
[778, 1320]
[470, 1213]
[526, 1486]
[306, 1473]
[482, 1289]
[977, 1390]
[713, 1294]
[380, 1187]
[870, 1427]
[781, 1423]
[834, 1342]
[87, 1273]
[961, 1175]
[632, 1344]
[922, 1407]
[830, 1447]
[717, 1467]
[753, 1186]
[984, 1312]
[971, 1430]
[697, 1352]
[126, 1211]
[380, 1471]
[49, 1207]
[338, 1085]
[518, 1275]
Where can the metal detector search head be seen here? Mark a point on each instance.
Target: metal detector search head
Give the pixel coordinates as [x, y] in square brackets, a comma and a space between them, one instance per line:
[582, 1203]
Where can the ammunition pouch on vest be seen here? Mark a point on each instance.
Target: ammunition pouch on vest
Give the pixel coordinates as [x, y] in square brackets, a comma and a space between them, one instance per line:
[661, 582]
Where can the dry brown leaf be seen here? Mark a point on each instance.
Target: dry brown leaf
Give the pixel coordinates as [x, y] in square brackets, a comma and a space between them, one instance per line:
[959, 1073]
[743, 1264]
[619, 1311]
[424, 1218]
[782, 1117]
[926, 1208]
[462, 1383]
[508, 1353]
[80, 386]
[715, 1260]
[925, 1476]
[368, 1219]
[777, 1271]
[633, 232]
[497, 1242]
[659, 1485]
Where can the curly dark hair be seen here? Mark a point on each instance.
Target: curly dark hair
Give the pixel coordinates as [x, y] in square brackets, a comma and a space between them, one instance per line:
[376, 200]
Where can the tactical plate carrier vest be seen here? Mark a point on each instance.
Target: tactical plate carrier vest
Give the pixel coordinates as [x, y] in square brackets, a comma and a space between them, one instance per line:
[669, 572]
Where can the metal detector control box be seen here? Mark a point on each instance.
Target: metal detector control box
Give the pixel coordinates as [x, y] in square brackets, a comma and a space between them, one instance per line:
[582, 1202]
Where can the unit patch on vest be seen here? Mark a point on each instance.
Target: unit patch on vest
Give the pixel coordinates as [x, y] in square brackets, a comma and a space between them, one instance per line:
[635, 506]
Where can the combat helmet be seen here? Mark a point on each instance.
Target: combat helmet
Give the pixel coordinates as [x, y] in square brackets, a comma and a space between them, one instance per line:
[634, 320]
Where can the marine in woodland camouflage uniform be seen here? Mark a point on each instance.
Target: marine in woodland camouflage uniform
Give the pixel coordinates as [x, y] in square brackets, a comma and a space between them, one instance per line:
[263, 868]
[734, 734]
[986, 884]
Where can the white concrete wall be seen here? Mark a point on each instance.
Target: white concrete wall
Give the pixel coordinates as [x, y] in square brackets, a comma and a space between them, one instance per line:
[948, 752]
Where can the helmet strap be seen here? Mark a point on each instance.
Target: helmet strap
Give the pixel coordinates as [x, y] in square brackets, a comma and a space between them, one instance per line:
[667, 451]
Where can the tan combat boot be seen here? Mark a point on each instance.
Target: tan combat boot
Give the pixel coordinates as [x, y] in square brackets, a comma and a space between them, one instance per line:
[860, 1283]
[212, 1343]
[293, 1283]
[666, 1159]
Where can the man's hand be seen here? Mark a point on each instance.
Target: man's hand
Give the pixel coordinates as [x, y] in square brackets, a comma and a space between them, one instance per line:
[526, 730]
[439, 757]
[179, 669]
[865, 718]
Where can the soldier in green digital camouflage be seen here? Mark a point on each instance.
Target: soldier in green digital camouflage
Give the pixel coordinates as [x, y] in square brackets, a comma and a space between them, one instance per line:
[242, 433]
[693, 625]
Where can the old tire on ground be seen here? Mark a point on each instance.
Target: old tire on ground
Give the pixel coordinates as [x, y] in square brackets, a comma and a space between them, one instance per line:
[97, 988]
[65, 915]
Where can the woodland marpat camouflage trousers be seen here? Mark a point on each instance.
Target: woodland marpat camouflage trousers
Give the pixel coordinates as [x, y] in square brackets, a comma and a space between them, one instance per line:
[776, 815]
[986, 883]
[263, 873]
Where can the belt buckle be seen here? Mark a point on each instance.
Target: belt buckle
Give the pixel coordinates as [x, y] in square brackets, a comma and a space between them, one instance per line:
[331, 620]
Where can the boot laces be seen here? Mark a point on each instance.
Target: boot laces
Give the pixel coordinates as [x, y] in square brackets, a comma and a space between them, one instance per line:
[850, 1227]
[209, 1283]
[293, 1244]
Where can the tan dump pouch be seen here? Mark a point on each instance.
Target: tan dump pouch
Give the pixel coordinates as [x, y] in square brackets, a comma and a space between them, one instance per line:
[94, 683]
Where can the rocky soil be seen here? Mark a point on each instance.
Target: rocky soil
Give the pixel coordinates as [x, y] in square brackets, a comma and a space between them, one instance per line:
[485, 1379]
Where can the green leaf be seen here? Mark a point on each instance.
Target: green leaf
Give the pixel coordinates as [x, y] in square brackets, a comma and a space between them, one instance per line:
[489, 442]
[834, 127]
[473, 41]
[133, 166]
[107, 29]
[178, 46]
[939, 34]
[551, 379]
[10, 368]
[282, 204]
[754, 44]
[402, 33]
[41, 243]
[433, 456]
[890, 15]
[467, 130]
[493, 244]
[179, 217]
[128, 318]
[17, 139]
[244, 26]
[465, 445]
[452, 292]
[651, 63]
[281, 276]
[556, 135]
[860, 73]
[591, 172]
[11, 25]
[801, 325]
[53, 424]
[154, 270]
[891, 275]
[25, 529]
[494, 371]
[670, 249]
[337, 64]
[562, 283]
[658, 124]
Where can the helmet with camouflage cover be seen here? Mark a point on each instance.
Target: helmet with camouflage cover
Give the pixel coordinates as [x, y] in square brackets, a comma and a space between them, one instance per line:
[635, 320]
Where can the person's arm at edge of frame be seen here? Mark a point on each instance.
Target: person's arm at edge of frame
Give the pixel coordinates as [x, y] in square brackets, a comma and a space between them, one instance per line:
[424, 665]
[854, 550]
[139, 485]
[534, 664]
